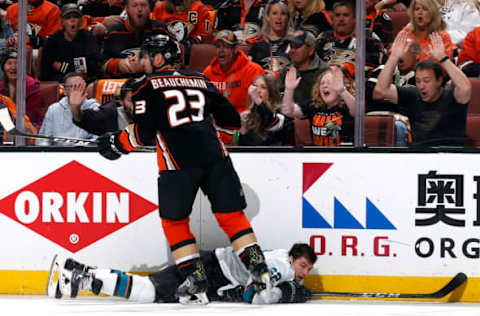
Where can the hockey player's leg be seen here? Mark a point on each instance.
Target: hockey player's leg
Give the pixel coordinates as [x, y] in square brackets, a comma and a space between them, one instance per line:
[193, 283]
[176, 193]
[73, 277]
[238, 229]
[225, 193]
[135, 288]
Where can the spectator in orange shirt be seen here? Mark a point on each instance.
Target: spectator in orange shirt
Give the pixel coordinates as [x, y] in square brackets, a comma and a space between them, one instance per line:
[425, 19]
[43, 19]
[188, 20]
[231, 71]
[469, 57]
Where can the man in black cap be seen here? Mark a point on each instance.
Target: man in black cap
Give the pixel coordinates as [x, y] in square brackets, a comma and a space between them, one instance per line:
[71, 49]
[307, 63]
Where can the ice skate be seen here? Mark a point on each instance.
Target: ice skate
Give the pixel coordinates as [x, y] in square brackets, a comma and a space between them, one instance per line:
[194, 289]
[74, 277]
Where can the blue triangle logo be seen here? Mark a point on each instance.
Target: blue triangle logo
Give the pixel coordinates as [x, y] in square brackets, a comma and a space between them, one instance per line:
[376, 219]
[343, 218]
[311, 218]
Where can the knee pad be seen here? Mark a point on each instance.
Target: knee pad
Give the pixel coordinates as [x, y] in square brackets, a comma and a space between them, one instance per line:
[178, 233]
[234, 224]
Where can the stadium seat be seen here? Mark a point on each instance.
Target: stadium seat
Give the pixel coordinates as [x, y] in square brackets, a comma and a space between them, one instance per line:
[37, 68]
[379, 131]
[303, 135]
[50, 92]
[201, 54]
[473, 130]
[104, 90]
[399, 20]
[474, 106]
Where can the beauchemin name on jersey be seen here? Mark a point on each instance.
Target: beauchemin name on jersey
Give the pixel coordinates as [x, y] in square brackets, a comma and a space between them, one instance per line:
[174, 110]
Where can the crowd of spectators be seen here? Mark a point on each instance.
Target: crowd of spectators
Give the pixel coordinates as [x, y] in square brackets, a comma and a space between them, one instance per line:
[277, 61]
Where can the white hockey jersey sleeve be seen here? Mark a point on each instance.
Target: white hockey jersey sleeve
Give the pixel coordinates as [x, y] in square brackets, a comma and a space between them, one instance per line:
[281, 270]
[278, 263]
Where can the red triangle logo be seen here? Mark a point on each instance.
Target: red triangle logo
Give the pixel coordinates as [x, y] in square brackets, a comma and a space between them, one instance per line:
[75, 206]
[311, 173]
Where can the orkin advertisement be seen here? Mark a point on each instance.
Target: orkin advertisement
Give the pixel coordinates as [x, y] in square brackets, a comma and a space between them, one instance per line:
[400, 215]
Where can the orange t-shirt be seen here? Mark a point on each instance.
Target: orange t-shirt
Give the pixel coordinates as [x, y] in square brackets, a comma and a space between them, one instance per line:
[192, 23]
[45, 18]
[234, 83]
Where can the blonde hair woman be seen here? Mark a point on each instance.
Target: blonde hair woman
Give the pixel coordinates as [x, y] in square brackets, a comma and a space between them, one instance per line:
[461, 17]
[425, 19]
[330, 110]
[310, 15]
[269, 48]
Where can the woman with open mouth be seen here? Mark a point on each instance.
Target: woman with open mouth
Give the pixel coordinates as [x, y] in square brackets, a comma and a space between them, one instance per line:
[269, 49]
[425, 19]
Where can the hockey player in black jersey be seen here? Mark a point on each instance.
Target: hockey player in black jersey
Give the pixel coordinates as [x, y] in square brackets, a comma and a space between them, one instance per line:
[174, 109]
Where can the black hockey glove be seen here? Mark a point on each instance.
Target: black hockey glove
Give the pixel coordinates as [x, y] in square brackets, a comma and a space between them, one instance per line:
[233, 295]
[292, 292]
[109, 146]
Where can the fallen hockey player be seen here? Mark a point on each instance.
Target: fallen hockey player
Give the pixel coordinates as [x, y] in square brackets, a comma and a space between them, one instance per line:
[228, 279]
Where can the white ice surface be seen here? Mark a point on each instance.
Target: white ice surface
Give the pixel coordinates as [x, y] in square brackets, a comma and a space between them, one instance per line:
[92, 306]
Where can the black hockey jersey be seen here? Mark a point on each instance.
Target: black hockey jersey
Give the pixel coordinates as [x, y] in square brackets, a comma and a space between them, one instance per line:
[173, 109]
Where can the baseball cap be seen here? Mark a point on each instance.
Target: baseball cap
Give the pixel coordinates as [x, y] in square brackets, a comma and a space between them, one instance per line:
[304, 37]
[70, 8]
[226, 36]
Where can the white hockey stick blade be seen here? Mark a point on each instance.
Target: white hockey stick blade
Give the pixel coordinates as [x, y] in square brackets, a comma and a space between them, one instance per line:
[53, 289]
[5, 118]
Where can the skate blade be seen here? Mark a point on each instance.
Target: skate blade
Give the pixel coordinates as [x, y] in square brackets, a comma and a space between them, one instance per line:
[53, 289]
[195, 299]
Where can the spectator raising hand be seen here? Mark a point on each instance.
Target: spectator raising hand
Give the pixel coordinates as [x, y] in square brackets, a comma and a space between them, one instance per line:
[436, 49]
[400, 46]
[78, 94]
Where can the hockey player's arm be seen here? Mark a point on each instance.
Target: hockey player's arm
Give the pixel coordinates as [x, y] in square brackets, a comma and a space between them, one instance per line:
[285, 292]
[227, 119]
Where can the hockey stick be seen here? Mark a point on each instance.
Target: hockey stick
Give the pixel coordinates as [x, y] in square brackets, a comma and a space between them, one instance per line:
[9, 126]
[453, 284]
